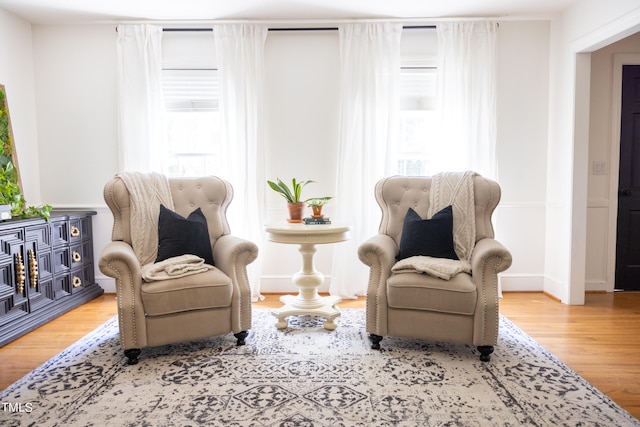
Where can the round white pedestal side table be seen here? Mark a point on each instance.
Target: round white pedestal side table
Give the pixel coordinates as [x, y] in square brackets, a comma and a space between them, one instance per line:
[308, 279]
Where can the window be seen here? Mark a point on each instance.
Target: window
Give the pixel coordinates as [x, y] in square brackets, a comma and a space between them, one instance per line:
[191, 97]
[417, 121]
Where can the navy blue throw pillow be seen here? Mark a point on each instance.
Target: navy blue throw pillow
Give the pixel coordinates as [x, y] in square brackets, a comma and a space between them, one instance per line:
[428, 237]
[178, 235]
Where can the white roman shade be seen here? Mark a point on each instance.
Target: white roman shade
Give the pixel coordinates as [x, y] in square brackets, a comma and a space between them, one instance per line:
[191, 90]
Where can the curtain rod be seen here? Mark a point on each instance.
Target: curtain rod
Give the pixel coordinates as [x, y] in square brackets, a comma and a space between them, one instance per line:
[407, 27]
[327, 22]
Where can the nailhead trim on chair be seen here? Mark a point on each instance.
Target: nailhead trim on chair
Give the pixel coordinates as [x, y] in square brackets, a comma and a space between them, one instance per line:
[120, 307]
[497, 308]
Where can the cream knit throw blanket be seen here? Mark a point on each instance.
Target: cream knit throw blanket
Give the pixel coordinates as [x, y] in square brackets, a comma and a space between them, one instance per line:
[455, 189]
[147, 191]
[173, 268]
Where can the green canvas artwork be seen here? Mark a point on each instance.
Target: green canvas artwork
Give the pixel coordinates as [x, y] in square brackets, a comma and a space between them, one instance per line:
[10, 183]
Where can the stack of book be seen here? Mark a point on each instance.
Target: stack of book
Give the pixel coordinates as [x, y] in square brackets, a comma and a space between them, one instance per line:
[316, 221]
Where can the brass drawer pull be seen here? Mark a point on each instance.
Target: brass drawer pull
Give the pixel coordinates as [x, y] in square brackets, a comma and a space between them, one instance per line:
[76, 282]
[33, 268]
[20, 276]
[76, 256]
[75, 231]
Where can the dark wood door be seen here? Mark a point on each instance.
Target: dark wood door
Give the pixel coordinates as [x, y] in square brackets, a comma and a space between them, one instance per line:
[628, 234]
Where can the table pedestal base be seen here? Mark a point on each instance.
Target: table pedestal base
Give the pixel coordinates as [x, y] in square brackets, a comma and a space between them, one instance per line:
[308, 280]
[295, 306]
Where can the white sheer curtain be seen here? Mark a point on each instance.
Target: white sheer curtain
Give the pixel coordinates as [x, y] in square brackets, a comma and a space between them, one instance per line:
[467, 96]
[240, 54]
[370, 72]
[140, 101]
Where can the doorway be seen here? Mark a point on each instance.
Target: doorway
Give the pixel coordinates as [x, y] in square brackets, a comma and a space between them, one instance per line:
[627, 269]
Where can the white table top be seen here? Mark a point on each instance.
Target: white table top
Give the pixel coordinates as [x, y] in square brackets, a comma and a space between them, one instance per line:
[307, 233]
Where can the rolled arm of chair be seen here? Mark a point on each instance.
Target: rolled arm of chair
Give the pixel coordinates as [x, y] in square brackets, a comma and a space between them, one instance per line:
[490, 252]
[489, 257]
[379, 253]
[232, 255]
[118, 260]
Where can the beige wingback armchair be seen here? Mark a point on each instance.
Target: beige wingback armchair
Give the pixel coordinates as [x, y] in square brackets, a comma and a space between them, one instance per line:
[187, 308]
[463, 309]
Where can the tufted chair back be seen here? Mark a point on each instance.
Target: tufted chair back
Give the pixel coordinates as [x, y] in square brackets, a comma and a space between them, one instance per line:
[397, 194]
[212, 194]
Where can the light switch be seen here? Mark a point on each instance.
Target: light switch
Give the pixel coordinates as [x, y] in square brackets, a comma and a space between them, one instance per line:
[599, 167]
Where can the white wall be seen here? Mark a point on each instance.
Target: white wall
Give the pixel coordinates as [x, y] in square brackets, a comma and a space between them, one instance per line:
[76, 102]
[593, 24]
[302, 69]
[523, 80]
[75, 88]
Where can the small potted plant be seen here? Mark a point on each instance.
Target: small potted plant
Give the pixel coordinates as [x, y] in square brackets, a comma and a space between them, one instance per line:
[292, 195]
[316, 204]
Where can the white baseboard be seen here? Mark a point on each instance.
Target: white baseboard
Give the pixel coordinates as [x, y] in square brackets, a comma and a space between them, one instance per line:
[106, 283]
[521, 283]
[597, 286]
[554, 288]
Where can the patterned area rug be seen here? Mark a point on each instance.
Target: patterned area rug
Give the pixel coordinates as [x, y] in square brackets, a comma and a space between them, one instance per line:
[307, 376]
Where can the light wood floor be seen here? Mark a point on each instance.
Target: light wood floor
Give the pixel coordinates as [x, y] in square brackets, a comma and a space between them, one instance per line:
[600, 340]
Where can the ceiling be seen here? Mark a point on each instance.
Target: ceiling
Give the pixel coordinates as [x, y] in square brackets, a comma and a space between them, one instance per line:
[86, 11]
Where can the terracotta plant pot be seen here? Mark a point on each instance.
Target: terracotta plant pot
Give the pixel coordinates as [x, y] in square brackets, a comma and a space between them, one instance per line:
[317, 211]
[296, 211]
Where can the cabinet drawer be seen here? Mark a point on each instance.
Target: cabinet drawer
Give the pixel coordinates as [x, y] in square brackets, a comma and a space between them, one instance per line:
[61, 260]
[61, 286]
[81, 254]
[79, 229]
[60, 233]
[80, 278]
